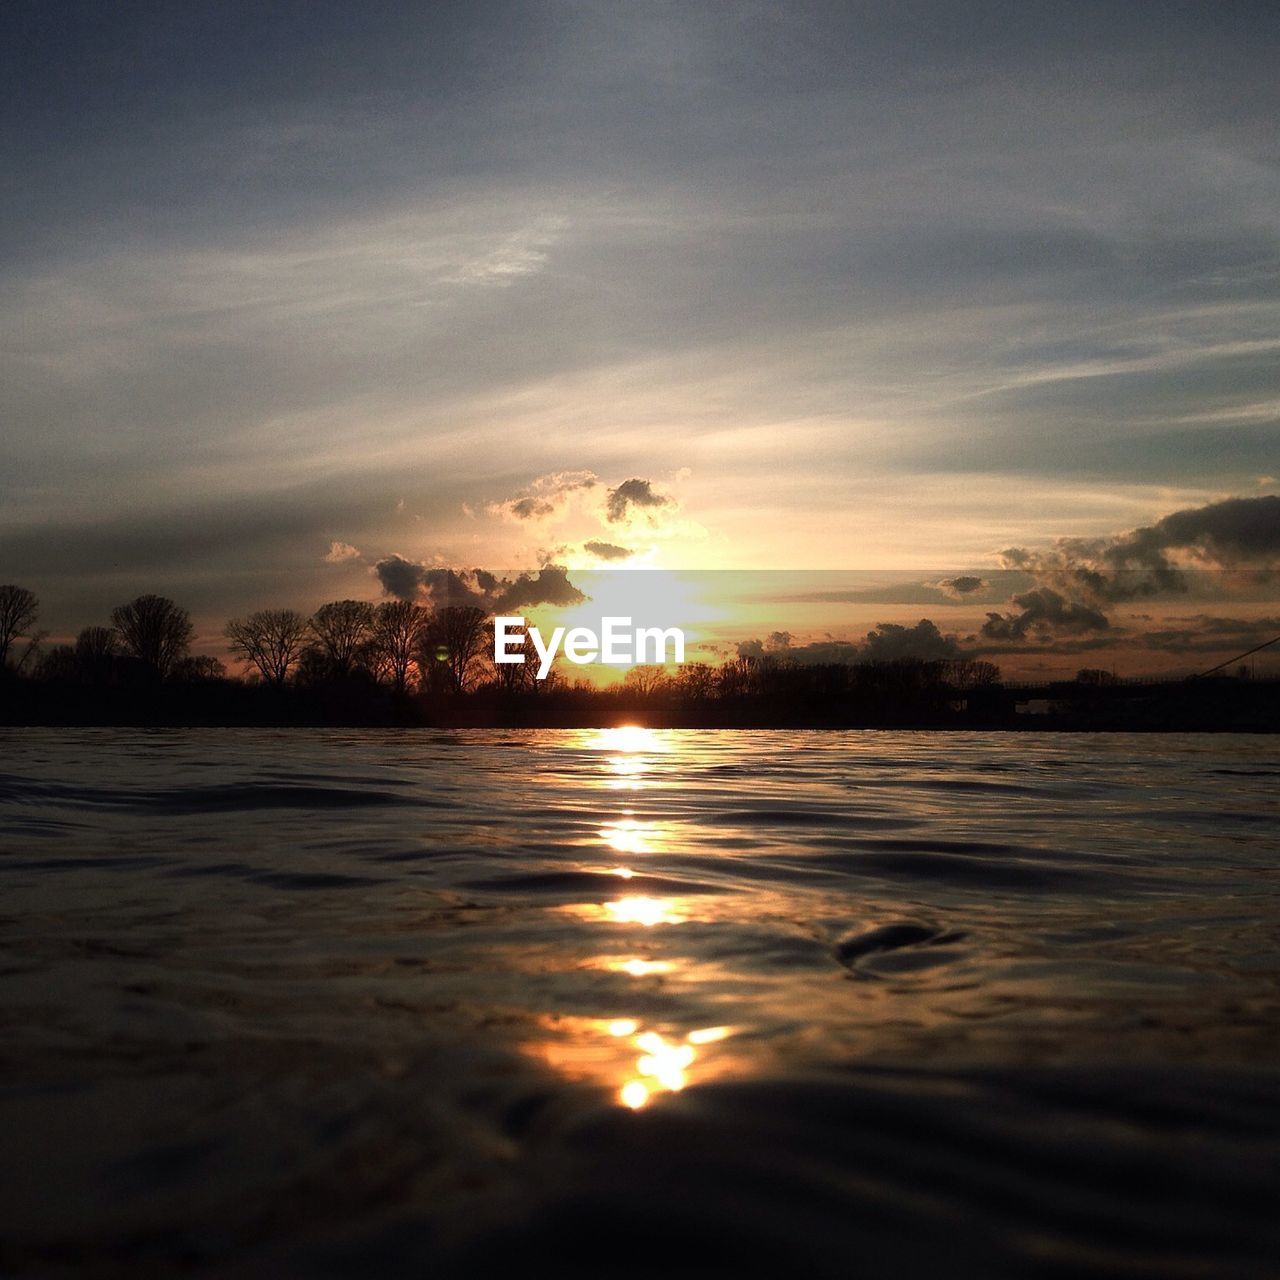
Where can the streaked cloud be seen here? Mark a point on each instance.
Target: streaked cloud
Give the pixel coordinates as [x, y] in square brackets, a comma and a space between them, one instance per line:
[901, 285]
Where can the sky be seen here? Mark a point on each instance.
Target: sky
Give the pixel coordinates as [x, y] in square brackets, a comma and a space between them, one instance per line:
[294, 292]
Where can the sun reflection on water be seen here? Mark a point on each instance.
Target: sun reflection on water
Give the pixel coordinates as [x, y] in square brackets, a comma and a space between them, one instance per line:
[635, 1062]
[629, 739]
[637, 909]
[627, 835]
[631, 750]
[634, 966]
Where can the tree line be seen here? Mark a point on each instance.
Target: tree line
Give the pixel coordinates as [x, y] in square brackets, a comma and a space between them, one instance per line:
[398, 662]
[401, 645]
[398, 643]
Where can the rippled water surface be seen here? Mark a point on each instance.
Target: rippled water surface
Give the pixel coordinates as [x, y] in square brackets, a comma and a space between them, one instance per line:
[638, 1003]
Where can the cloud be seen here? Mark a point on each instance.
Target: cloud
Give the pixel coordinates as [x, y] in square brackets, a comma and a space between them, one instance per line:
[442, 587]
[1208, 633]
[1045, 614]
[890, 642]
[778, 645]
[522, 253]
[632, 493]
[886, 642]
[546, 495]
[550, 585]
[400, 577]
[607, 550]
[959, 588]
[341, 552]
[295, 301]
[530, 508]
[1081, 579]
[1233, 533]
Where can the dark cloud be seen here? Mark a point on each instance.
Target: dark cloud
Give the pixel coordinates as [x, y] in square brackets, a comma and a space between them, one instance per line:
[1061, 647]
[814, 654]
[889, 642]
[410, 580]
[550, 585]
[542, 497]
[530, 508]
[1081, 579]
[886, 642]
[1235, 532]
[958, 588]
[1044, 613]
[400, 577]
[607, 550]
[1208, 633]
[632, 493]
[913, 592]
[1149, 561]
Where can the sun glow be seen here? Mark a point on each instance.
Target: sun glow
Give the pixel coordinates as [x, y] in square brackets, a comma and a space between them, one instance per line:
[626, 835]
[644, 911]
[629, 739]
[637, 1063]
[649, 597]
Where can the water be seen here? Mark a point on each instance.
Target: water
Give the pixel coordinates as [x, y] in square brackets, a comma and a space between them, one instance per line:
[634, 1003]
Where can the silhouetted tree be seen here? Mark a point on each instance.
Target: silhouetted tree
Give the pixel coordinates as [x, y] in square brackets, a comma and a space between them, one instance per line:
[397, 637]
[155, 631]
[199, 666]
[271, 639]
[695, 680]
[96, 649]
[19, 608]
[737, 677]
[312, 668]
[645, 680]
[1094, 676]
[968, 673]
[515, 677]
[452, 647]
[342, 628]
[58, 665]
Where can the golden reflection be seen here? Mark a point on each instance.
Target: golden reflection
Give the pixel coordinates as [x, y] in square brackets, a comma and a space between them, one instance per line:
[639, 1063]
[627, 835]
[628, 771]
[710, 1035]
[629, 739]
[634, 1094]
[634, 966]
[631, 749]
[633, 909]
[644, 911]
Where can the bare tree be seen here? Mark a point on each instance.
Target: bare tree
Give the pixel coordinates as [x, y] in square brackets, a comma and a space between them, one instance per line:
[58, 665]
[341, 628]
[199, 666]
[968, 673]
[645, 680]
[453, 642]
[19, 608]
[397, 637]
[515, 677]
[271, 639]
[96, 649]
[695, 680]
[155, 631]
